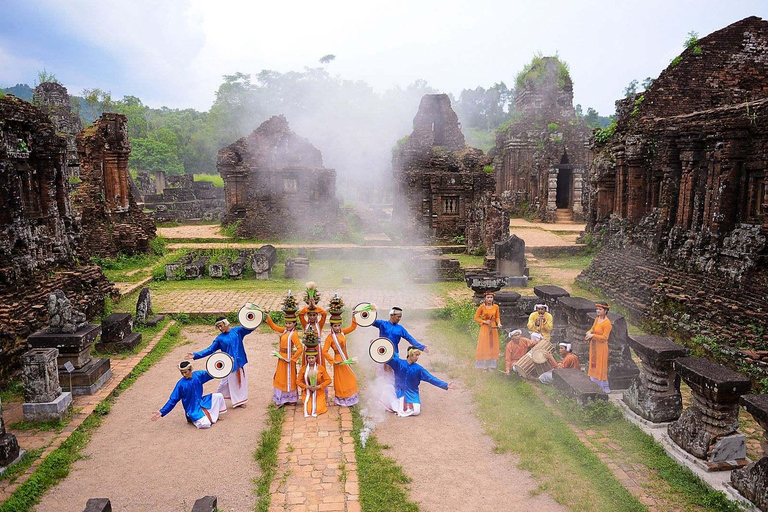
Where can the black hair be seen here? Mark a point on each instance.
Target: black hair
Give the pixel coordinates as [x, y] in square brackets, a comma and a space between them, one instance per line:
[220, 319]
[184, 365]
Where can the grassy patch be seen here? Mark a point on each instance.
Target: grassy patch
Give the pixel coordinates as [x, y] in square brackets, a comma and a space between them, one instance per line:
[568, 262]
[520, 423]
[382, 481]
[216, 179]
[266, 456]
[467, 260]
[21, 467]
[13, 392]
[57, 465]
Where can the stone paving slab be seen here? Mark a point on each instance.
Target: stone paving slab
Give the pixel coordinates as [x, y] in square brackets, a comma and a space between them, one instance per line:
[84, 405]
[202, 301]
[547, 226]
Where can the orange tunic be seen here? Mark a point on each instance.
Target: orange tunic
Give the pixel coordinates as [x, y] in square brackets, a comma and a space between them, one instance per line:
[598, 349]
[285, 374]
[320, 323]
[344, 379]
[569, 361]
[515, 351]
[307, 396]
[488, 339]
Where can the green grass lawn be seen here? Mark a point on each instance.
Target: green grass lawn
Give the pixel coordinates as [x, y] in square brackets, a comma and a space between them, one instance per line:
[216, 179]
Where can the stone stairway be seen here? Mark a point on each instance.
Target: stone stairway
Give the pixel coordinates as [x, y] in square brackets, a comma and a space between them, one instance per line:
[563, 216]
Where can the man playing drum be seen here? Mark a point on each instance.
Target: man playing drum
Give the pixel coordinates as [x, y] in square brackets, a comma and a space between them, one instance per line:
[202, 411]
[570, 360]
[235, 385]
[517, 347]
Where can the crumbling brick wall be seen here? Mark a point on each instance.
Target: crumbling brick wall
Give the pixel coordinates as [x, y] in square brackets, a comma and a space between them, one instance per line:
[112, 221]
[54, 100]
[38, 233]
[276, 185]
[444, 189]
[679, 197]
[540, 159]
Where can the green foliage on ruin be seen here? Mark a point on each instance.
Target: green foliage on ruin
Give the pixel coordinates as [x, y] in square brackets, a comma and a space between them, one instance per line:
[46, 77]
[636, 110]
[692, 41]
[216, 179]
[604, 135]
[488, 169]
[553, 127]
[534, 72]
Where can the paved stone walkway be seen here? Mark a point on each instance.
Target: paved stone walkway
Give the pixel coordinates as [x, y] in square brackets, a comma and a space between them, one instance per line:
[83, 405]
[202, 301]
[317, 469]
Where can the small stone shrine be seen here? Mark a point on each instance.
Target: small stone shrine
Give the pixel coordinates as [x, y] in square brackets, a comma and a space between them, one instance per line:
[510, 261]
[43, 397]
[654, 395]
[117, 334]
[9, 446]
[622, 370]
[708, 429]
[752, 480]
[73, 346]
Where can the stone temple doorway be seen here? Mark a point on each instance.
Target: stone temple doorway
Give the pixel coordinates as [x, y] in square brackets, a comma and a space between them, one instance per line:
[564, 181]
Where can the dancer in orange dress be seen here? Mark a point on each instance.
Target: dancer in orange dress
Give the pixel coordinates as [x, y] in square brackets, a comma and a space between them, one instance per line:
[597, 337]
[344, 379]
[289, 353]
[489, 318]
[313, 378]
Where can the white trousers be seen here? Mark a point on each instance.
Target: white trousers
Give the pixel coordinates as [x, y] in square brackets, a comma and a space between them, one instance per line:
[234, 387]
[546, 377]
[399, 406]
[218, 406]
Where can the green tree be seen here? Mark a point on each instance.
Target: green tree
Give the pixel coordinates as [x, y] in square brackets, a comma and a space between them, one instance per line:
[152, 155]
[327, 59]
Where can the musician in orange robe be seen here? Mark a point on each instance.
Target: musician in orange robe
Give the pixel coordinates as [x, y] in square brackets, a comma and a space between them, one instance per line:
[570, 360]
[489, 318]
[517, 347]
[313, 380]
[289, 353]
[597, 337]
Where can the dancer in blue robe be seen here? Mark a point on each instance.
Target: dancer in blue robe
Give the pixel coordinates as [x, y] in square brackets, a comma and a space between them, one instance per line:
[392, 330]
[408, 375]
[202, 411]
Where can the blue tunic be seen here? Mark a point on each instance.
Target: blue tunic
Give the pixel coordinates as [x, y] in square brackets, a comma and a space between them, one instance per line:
[409, 376]
[231, 343]
[190, 392]
[394, 332]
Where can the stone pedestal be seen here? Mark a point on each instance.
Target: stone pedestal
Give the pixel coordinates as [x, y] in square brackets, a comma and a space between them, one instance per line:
[752, 480]
[483, 282]
[98, 505]
[206, 504]
[550, 295]
[655, 394]
[510, 257]
[89, 373]
[144, 306]
[508, 308]
[296, 268]
[43, 397]
[9, 446]
[117, 334]
[708, 429]
[576, 310]
[622, 370]
[577, 385]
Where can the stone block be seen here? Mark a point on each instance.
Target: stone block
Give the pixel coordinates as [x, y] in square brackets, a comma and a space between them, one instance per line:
[116, 327]
[729, 448]
[144, 306]
[156, 319]
[510, 257]
[9, 449]
[517, 281]
[78, 359]
[577, 385]
[206, 504]
[550, 294]
[88, 379]
[66, 342]
[752, 482]
[296, 268]
[44, 411]
[98, 505]
[40, 375]
[128, 343]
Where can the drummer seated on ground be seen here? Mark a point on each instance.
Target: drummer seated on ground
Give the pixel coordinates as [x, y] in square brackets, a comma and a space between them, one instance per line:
[570, 360]
[517, 347]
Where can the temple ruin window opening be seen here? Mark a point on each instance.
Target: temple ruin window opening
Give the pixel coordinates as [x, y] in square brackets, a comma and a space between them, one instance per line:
[450, 205]
[564, 181]
[290, 185]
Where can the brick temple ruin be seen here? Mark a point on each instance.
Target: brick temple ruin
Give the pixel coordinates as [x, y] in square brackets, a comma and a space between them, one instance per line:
[112, 222]
[54, 100]
[541, 158]
[446, 188]
[176, 198]
[39, 233]
[678, 197]
[276, 185]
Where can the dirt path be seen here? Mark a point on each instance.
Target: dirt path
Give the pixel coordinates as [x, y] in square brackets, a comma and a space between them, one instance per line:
[450, 460]
[166, 465]
[209, 231]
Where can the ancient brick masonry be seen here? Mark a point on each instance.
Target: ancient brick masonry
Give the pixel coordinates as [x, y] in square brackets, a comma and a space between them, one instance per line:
[37, 231]
[276, 184]
[679, 196]
[53, 99]
[176, 198]
[112, 221]
[540, 159]
[444, 189]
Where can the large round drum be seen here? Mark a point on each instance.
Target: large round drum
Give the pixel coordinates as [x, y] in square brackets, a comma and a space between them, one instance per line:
[250, 316]
[364, 314]
[219, 365]
[525, 366]
[381, 350]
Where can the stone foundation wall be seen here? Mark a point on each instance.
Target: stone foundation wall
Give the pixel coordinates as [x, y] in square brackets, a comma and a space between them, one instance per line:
[23, 305]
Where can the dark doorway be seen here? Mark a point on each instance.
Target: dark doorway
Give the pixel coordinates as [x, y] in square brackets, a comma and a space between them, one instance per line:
[564, 179]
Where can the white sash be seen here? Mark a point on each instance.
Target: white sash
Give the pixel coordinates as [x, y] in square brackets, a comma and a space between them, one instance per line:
[338, 348]
[313, 393]
[289, 357]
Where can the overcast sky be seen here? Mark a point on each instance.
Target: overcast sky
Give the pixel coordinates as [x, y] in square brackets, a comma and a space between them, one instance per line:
[174, 53]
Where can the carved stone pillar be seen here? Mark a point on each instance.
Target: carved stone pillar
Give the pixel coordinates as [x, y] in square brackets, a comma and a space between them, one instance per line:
[655, 394]
[9, 446]
[708, 429]
[752, 480]
[577, 309]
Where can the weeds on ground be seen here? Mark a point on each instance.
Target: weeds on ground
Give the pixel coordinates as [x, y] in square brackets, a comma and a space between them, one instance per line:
[383, 484]
[266, 456]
